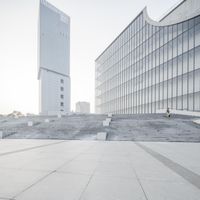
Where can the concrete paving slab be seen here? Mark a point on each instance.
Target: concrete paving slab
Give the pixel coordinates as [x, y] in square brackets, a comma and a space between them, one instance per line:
[96, 170]
[185, 173]
[13, 182]
[45, 164]
[19, 144]
[185, 154]
[57, 186]
[169, 190]
[109, 188]
[114, 169]
[80, 167]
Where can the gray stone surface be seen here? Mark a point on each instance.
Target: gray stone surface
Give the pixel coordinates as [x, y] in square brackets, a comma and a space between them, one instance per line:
[95, 170]
[30, 123]
[151, 127]
[101, 136]
[106, 123]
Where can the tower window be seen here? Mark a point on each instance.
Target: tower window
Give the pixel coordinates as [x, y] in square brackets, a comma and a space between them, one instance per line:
[62, 88]
[61, 104]
[62, 96]
[61, 80]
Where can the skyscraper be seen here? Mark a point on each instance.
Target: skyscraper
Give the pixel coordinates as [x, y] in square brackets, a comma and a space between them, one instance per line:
[152, 65]
[53, 60]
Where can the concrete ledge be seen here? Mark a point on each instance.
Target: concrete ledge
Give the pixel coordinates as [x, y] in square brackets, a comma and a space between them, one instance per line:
[101, 136]
[59, 116]
[106, 123]
[197, 121]
[108, 120]
[46, 121]
[30, 123]
[109, 114]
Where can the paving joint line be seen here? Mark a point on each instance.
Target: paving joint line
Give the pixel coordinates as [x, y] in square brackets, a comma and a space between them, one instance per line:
[29, 148]
[30, 186]
[4, 198]
[44, 177]
[92, 175]
[137, 178]
[185, 173]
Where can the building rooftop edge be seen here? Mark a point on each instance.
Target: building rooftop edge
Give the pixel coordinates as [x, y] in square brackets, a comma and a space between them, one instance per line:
[52, 7]
[153, 22]
[120, 34]
[174, 7]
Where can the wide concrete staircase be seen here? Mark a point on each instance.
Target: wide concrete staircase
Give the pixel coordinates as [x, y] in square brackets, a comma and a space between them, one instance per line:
[144, 127]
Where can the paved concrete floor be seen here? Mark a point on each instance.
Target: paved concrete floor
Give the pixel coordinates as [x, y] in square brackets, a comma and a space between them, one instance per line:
[93, 170]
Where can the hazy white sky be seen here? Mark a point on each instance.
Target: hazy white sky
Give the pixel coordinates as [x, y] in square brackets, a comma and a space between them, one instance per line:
[94, 25]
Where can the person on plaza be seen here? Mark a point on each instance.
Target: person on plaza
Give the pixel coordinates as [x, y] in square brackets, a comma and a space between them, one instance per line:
[168, 113]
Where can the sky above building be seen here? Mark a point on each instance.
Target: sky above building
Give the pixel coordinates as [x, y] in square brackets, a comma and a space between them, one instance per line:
[94, 25]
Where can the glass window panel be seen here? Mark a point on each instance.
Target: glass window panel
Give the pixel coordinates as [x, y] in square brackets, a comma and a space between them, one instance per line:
[161, 73]
[191, 60]
[191, 23]
[174, 88]
[180, 28]
[179, 85]
[169, 88]
[170, 32]
[175, 31]
[197, 57]
[190, 101]
[174, 103]
[165, 90]
[185, 41]
[165, 71]
[191, 38]
[185, 84]
[170, 69]
[180, 65]
[165, 34]
[174, 67]
[161, 55]
[175, 47]
[161, 91]
[180, 44]
[197, 101]
[161, 36]
[197, 35]
[197, 20]
[185, 62]
[185, 26]
[165, 53]
[185, 102]
[170, 46]
[179, 103]
[190, 82]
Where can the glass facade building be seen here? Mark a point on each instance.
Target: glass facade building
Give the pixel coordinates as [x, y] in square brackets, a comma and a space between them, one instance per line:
[151, 66]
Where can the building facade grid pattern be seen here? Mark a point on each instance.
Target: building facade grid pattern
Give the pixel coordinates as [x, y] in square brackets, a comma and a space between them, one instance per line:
[149, 67]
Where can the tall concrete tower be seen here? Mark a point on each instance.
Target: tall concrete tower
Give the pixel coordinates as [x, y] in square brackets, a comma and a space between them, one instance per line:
[53, 60]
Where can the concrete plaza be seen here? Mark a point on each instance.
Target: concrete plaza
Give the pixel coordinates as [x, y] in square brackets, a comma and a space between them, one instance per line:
[94, 170]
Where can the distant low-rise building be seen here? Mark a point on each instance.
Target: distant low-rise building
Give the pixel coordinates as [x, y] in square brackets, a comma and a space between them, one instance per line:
[83, 107]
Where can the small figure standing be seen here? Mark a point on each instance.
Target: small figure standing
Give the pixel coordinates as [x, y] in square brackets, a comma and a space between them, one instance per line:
[168, 113]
